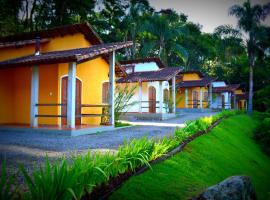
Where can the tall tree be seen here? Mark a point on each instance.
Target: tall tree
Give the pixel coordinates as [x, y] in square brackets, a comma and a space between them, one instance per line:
[161, 31]
[249, 20]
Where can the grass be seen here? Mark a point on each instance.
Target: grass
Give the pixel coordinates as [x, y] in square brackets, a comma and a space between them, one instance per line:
[228, 150]
[121, 124]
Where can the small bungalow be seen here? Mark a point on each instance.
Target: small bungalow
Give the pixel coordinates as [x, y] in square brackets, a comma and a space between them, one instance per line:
[224, 95]
[194, 91]
[155, 88]
[55, 79]
[241, 99]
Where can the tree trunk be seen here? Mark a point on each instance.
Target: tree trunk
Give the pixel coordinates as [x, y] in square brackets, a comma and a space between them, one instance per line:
[250, 95]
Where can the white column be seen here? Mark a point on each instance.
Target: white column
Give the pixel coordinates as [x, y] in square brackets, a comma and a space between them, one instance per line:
[140, 97]
[34, 97]
[71, 98]
[234, 101]
[210, 95]
[112, 86]
[160, 97]
[201, 97]
[173, 95]
[186, 95]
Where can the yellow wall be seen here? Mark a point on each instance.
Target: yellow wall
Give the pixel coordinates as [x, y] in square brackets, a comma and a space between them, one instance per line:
[15, 84]
[190, 76]
[180, 96]
[181, 99]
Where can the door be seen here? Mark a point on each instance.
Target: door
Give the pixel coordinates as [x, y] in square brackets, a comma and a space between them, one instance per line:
[152, 99]
[195, 99]
[64, 92]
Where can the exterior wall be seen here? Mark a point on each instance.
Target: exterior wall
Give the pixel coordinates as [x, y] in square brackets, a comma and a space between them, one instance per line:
[142, 67]
[145, 87]
[181, 97]
[15, 84]
[217, 100]
[92, 74]
[191, 77]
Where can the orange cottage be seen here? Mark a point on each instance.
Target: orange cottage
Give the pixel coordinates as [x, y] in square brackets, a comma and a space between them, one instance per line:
[59, 79]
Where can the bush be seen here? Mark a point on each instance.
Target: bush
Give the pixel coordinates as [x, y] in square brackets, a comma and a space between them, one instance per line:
[262, 135]
[7, 188]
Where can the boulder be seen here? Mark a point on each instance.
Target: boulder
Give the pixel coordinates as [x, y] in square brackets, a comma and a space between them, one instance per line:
[232, 188]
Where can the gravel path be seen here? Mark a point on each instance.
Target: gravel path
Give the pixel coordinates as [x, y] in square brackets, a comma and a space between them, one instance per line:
[31, 148]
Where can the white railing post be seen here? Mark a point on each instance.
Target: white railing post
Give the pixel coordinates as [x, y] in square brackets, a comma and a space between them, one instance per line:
[71, 98]
[210, 95]
[140, 97]
[34, 96]
[112, 86]
[201, 97]
[173, 95]
[160, 97]
[186, 95]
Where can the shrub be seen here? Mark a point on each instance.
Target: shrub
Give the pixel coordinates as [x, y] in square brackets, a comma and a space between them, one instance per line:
[7, 188]
[134, 154]
[262, 135]
[52, 182]
[163, 146]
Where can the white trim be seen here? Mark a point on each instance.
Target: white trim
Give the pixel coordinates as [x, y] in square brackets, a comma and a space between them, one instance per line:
[34, 96]
[60, 96]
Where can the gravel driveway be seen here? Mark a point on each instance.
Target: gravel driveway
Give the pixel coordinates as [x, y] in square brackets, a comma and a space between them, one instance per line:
[31, 148]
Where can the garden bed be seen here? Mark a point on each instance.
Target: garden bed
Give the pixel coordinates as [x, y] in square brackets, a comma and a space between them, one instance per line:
[96, 176]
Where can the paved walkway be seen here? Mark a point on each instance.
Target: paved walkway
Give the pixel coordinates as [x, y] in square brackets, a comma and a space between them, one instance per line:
[31, 147]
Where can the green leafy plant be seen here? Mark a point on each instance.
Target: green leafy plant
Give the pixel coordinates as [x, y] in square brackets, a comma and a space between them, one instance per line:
[8, 189]
[134, 154]
[123, 96]
[163, 146]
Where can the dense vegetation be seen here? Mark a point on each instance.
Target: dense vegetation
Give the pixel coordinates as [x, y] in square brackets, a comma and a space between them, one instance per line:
[228, 150]
[76, 177]
[226, 53]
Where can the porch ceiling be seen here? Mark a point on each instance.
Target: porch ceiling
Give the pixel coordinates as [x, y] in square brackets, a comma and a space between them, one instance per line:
[79, 55]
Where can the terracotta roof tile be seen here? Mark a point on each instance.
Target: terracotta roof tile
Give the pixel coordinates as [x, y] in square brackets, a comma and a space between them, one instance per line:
[163, 74]
[196, 83]
[143, 60]
[84, 28]
[227, 88]
[73, 55]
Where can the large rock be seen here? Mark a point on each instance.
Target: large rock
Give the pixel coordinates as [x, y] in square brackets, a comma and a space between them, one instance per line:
[232, 188]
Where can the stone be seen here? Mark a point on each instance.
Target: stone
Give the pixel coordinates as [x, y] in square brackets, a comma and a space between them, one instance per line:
[232, 188]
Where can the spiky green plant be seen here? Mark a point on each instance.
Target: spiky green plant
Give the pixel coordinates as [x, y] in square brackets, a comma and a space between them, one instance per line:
[8, 189]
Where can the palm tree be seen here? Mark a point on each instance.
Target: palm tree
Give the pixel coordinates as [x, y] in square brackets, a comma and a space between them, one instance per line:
[160, 38]
[249, 20]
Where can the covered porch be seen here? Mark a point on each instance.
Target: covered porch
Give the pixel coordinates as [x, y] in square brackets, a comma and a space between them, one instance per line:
[195, 95]
[57, 91]
[155, 94]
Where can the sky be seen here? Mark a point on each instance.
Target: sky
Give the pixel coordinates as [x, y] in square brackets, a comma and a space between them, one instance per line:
[208, 13]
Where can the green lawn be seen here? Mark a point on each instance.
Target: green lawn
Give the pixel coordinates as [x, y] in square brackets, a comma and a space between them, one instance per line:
[228, 150]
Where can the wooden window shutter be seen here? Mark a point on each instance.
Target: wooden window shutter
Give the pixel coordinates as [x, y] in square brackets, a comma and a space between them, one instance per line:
[105, 92]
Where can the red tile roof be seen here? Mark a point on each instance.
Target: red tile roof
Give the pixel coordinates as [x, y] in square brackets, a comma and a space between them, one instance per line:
[163, 74]
[84, 28]
[143, 60]
[73, 55]
[227, 88]
[22, 43]
[196, 83]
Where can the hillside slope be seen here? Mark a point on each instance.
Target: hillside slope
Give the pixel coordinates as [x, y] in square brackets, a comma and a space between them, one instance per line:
[227, 150]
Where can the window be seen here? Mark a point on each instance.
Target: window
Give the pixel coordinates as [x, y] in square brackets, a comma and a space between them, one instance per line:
[166, 95]
[205, 96]
[105, 92]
